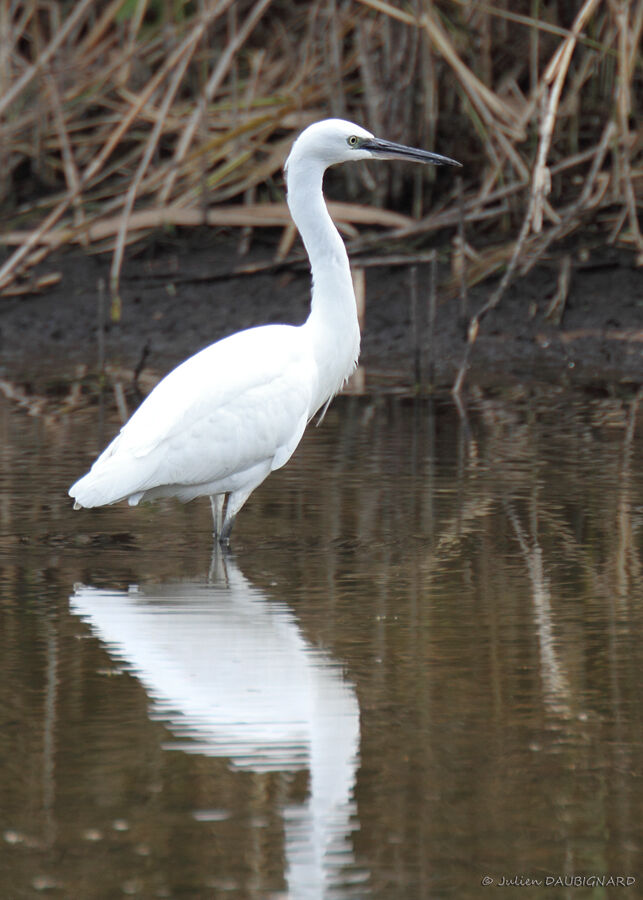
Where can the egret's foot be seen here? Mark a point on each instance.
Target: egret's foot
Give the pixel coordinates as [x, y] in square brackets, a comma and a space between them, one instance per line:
[224, 537]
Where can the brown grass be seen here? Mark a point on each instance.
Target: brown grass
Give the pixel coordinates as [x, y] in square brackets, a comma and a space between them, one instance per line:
[117, 117]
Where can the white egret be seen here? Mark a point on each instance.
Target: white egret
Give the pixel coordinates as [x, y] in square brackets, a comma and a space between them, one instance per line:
[220, 422]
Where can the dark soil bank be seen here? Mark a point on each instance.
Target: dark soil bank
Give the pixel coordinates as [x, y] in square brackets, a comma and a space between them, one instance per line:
[176, 298]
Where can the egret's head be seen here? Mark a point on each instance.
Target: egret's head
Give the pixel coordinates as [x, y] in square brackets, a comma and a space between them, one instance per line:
[336, 141]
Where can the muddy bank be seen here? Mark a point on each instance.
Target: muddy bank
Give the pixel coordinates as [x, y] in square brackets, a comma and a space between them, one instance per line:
[176, 299]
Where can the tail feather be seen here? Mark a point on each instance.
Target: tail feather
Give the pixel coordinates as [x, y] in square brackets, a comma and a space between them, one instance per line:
[109, 481]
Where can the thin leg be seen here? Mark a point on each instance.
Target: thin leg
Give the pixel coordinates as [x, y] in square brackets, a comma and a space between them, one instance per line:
[216, 502]
[235, 502]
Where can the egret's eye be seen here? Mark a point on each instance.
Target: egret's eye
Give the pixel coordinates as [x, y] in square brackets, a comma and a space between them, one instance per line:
[353, 141]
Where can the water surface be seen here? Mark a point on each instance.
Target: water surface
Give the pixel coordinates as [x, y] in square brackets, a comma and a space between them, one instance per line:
[419, 667]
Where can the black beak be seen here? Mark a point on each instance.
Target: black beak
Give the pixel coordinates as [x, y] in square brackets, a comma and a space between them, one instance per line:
[388, 150]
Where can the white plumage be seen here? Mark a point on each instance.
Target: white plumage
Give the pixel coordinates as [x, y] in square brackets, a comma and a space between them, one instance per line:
[224, 419]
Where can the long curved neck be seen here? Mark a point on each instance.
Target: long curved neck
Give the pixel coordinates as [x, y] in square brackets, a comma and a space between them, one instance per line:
[332, 322]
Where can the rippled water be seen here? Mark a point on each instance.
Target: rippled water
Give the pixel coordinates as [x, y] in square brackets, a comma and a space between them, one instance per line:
[419, 668]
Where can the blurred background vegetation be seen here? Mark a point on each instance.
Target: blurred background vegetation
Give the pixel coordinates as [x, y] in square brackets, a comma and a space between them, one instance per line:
[119, 116]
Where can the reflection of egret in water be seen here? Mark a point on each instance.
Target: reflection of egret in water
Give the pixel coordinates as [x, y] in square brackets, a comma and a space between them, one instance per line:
[231, 672]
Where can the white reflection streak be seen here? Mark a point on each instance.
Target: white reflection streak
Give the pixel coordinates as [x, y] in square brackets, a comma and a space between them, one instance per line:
[556, 687]
[50, 726]
[231, 671]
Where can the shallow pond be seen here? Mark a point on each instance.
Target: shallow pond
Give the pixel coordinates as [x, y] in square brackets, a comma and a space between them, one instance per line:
[417, 675]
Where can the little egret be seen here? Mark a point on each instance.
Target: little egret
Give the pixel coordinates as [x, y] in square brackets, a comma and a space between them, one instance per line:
[220, 422]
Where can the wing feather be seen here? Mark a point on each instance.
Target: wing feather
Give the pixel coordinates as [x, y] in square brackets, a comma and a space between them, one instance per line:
[240, 402]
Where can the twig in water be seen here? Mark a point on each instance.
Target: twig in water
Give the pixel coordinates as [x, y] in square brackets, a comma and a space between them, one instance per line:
[121, 403]
[101, 327]
[145, 352]
[415, 325]
[556, 308]
[462, 256]
[433, 277]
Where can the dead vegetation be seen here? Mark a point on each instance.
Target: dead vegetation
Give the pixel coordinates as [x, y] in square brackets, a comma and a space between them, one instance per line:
[120, 117]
